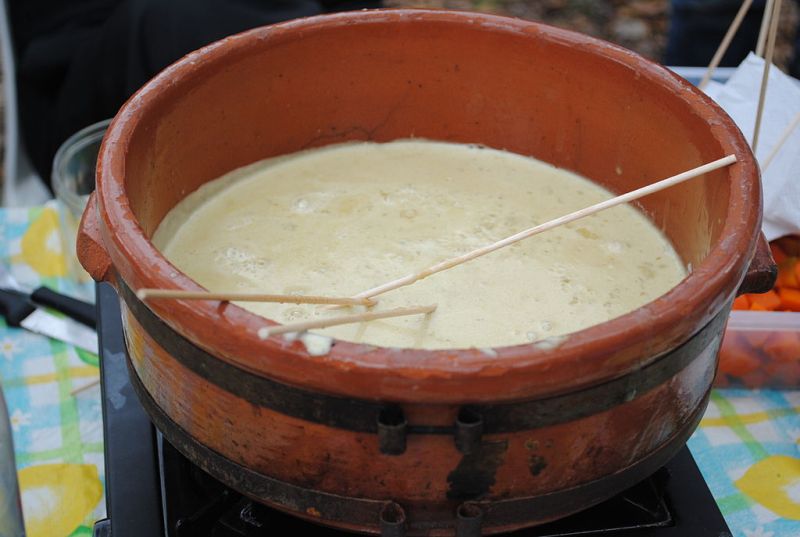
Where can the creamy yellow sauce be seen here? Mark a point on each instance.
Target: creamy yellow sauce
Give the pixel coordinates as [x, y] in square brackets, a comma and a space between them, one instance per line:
[342, 219]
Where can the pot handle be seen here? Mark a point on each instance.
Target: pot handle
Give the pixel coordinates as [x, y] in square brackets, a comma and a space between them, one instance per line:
[91, 253]
[763, 271]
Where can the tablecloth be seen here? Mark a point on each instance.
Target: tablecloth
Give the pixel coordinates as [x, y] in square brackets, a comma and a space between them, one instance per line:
[58, 437]
[746, 446]
[747, 449]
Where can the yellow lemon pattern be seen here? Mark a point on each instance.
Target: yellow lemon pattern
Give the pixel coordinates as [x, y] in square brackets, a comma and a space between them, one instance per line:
[769, 482]
[41, 247]
[58, 497]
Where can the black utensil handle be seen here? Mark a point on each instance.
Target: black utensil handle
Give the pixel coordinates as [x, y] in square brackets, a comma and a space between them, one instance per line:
[79, 310]
[15, 307]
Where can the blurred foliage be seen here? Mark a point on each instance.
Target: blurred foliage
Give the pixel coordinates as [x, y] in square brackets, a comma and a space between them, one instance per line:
[639, 25]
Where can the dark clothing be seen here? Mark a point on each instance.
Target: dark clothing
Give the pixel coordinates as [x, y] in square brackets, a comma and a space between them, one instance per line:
[79, 60]
[698, 26]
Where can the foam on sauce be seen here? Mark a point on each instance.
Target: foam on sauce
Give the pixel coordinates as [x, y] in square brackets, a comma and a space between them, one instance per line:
[344, 218]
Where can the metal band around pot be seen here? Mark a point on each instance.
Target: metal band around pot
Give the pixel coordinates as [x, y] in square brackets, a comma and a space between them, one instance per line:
[367, 512]
[362, 415]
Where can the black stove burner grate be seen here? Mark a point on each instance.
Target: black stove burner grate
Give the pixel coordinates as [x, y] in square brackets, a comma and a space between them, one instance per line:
[152, 490]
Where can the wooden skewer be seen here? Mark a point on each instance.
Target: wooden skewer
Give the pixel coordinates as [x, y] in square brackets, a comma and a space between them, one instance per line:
[149, 294]
[784, 136]
[762, 33]
[624, 198]
[264, 333]
[773, 32]
[84, 387]
[726, 41]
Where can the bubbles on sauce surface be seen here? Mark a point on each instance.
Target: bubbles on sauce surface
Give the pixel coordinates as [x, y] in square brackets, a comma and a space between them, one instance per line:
[338, 220]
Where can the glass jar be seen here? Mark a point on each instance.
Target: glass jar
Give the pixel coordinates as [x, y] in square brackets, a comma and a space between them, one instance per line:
[73, 180]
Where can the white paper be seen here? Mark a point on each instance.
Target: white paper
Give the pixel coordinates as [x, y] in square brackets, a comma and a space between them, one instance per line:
[781, 181]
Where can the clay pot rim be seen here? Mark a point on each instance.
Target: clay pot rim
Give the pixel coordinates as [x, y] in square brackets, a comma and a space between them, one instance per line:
[230, 332]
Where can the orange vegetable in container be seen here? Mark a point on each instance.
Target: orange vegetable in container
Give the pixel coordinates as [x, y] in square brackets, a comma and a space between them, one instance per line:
[788, 270]
[777, 253]
[783, 346]
[797, 272]
[756, 338]
[738, 361]
[741, 303]
[768, 301]
[790, 298]
[788, 372]
[762, 350]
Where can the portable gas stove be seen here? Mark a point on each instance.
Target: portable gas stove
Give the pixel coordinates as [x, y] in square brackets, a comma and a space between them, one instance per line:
[152, 490]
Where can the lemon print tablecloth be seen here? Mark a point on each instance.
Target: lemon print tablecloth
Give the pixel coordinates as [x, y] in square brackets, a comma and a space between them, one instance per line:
[746, 447]
[58, 438]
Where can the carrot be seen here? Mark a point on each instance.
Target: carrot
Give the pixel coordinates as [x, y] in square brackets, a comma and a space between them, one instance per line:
[741, 303]
[790, 298]
[783, 374]
[797, 272]
[769, 300]
[757, 307]
[756, 338]
[757, 378]
[736, 361]
[788, 273]
[777, 252]
[783, 347]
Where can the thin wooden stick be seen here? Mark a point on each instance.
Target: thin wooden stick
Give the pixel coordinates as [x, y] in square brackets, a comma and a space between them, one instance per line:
[264, 333]
[150, 294]
[773, 32]
[782, 140]
[762, 33]
[84, 387]
[726, 41]
[624, 198]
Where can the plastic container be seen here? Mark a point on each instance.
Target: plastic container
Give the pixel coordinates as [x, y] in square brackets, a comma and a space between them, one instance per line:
[761, 349]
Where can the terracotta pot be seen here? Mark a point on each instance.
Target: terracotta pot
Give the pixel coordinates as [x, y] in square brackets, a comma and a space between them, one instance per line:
[426, 442]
